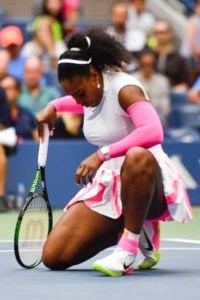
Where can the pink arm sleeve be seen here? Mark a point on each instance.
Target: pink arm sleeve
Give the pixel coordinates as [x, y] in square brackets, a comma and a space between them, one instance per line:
[67, 104]
[148, 129]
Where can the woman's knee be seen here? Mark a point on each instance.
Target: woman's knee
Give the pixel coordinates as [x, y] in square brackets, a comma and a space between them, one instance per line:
[55, 259]
[138, 161]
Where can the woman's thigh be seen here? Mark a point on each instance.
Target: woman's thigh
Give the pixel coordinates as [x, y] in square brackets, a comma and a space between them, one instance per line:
[158, 205]
[79, 234]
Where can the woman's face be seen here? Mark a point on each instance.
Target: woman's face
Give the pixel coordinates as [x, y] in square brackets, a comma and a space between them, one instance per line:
[54, 6]
[44, 30]
[84, 89]
[147, 65]
[163, 33]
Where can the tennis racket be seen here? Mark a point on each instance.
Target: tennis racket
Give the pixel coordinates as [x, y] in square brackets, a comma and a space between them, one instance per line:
[35, 218]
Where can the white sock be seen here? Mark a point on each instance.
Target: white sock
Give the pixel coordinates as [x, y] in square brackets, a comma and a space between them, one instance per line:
[131, 236]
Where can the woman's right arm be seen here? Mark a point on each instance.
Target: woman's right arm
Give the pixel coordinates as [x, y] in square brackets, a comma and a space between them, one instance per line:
[49, 113]
[67, 104]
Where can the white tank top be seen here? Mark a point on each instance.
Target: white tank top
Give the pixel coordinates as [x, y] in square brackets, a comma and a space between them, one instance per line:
[108, 122]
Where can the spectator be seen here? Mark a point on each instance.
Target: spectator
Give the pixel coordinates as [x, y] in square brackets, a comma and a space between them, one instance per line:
[119, 31]
[131, 36]
[5, 148]
[169, 62]
[11, 39]
[191, 45]
[68, 126]
[4, 63]
[44, 44]
[156, 85]
[119, 19]
[70, 11]
[21, 119]
[52, 8]
[139, 17]
[35, 96]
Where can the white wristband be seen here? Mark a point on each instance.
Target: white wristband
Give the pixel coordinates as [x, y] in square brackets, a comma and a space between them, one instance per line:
[105, 151]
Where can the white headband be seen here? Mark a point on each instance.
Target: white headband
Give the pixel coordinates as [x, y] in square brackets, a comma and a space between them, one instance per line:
[74, 61]
[88, 41]
[79, 49]
[75, 49]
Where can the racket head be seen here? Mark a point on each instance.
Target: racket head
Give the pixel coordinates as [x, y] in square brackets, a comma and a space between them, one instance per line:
[32, 229]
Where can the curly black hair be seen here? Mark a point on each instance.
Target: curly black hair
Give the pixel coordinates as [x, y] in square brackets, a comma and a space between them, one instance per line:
[104, 51]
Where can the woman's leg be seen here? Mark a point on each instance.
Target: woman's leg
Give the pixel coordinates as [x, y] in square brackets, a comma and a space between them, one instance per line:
[142, 197]
[141, 189]
[80, 234]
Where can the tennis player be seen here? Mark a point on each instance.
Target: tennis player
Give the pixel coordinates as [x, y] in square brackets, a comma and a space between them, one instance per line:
[129, 182]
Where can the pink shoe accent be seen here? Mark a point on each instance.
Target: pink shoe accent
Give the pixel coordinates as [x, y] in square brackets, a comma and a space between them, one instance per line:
[128, 245]
[129, 271]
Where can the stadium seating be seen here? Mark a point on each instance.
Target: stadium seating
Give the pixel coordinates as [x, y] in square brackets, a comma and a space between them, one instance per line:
[178, 99]
[185, 115]
[189, 5]
[181, 135]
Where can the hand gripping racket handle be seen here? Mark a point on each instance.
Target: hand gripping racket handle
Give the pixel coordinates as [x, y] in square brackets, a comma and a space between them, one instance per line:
[43, 148]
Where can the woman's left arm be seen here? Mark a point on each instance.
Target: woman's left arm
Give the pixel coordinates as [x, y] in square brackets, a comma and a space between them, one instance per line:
[148, 132]
[148, 129]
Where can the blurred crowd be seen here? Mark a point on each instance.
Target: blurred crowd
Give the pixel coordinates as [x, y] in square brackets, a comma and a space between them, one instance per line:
[167, 66]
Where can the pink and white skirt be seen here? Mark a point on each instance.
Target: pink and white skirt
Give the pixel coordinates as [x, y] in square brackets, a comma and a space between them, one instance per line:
[103, 195]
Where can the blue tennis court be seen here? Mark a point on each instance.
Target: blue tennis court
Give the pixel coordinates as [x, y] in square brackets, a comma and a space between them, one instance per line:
[177, 275]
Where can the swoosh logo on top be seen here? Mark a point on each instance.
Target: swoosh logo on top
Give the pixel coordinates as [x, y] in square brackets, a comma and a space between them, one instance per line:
[127, 266]
[150, 246]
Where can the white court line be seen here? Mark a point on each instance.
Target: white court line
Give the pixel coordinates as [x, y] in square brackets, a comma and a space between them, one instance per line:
[187, 241]
[11, 250]
[6, 241]
[163, 248]
[113, 248]
[168, 249]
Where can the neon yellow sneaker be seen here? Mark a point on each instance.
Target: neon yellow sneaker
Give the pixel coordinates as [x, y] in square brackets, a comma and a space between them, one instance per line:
[150, 245]
[119, 263]
[149, 262]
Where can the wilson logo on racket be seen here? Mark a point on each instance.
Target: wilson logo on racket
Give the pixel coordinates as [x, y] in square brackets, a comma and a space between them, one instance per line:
[35, 182]
[33, 228]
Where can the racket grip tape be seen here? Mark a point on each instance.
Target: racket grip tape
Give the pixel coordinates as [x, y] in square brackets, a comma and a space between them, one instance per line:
[43, 147]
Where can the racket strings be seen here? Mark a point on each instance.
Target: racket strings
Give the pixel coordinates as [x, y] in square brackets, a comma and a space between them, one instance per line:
[37, 204]
[33, 231]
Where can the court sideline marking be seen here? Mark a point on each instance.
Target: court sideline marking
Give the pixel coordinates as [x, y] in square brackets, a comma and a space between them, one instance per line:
[187, 241]
[110, 249]
[196, 242]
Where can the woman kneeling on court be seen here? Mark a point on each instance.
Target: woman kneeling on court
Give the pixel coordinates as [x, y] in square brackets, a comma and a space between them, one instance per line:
[130, 184]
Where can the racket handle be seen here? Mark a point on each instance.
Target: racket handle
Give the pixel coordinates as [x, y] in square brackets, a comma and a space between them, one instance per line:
[43, 148]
